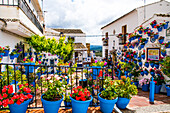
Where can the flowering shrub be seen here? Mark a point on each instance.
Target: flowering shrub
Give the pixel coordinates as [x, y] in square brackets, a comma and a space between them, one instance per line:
[81, 94]
[110, 89]
[2, 49]
[54, 87]
[8, 97]
[159, 79]
[125, 89]
[27, 60]
[98, 63]
[144, 81]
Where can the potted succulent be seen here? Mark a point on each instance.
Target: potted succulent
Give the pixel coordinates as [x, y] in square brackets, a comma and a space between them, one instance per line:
[53, 95]
[144, 82]
[18, 102]
[125, 91]
[80, 99]
[108, 97]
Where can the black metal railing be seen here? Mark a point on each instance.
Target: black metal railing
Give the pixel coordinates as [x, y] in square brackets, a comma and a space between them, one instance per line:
[92, 78]
[22, 4]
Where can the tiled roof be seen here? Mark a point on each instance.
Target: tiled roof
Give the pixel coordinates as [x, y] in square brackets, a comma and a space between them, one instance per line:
[69, 30]
[79, 46]
[163, 15]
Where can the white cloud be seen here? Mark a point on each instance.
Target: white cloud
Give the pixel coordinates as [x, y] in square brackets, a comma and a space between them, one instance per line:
[88, 15]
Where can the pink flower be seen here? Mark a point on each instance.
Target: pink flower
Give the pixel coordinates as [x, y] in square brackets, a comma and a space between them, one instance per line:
[95, 61]
[24, 59]
[39, 62]
[105, 63]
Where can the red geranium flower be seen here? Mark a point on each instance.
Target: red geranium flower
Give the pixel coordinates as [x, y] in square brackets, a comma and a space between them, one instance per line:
[5, 95]
[18, 102]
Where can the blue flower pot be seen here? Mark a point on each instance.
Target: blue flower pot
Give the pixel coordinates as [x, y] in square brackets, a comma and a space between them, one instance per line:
[152, 73]
[51, 106]
[167, 90]
[157, 88]
[96, 70]
[135, 83]
[12, 57]
[142, 73]
[146, 72]
[159, 29]
[149, 34]
[153, 25]
[31, 68]
[147, 64]
[106, 106]
[22, 108]
[156, 36]
[140, 63]
[146, 41]
[135, 56]
[122, 102]
[6, 52]
[30, 53]
[140, 32]
[157, 66]
[80, 106]
[139, 58]
[163, 53]
[143, 56]
[142, 46]
[25, 54]
[145, 87]
[165, 26]
[67, 104]
[135, 61]
[152, 65]
[130, 40]
[39, 75]
[1, 55]
[161, 41]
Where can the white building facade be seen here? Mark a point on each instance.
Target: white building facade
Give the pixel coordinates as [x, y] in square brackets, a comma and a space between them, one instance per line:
[19, 19]
[129, 22]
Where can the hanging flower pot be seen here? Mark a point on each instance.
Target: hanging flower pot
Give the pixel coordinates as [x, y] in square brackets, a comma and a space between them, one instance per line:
[142, 73]
[145, 72]
[135, 56]
[143, 56]
[146, 64]
[140, 63]
[1, 55]
[156, 36]
[51, 106]
[6, 52]
[122, 102]
[145, 87]
[12, 57]
[135, 61]
[166, 25]
[139, 58]
[163, 52]
[161, 41]
[157, 65]
[157, 88]
[152, 64]
[106, 106]
[25, 54]
[146, 41]
[159, 28]
[140, 31]
[142, 45]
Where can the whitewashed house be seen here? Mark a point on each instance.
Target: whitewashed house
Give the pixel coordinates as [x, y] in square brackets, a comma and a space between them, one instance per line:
[79, 37]
[129, 22]
[19, 19]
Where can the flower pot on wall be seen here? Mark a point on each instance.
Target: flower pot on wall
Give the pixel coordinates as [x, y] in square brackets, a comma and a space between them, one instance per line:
[152, 65]
[153, 25]
[157, 66]
[143, 56]
[161, 41]
[51, 106]
[147, 64]
[140, 31]
[166, 25]
[6, 52]
[159, 29]
[163, 53]
[80, 106]
[167, 90]
[122, 102]
[145, 72]
[140, 63]
[106, 106]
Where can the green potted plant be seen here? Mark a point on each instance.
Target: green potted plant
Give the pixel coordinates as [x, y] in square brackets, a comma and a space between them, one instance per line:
[125, 91]
[80, 99]
[108, 97]
[53, 95]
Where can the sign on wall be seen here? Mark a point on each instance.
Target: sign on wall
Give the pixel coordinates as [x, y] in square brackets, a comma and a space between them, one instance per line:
[153, 53]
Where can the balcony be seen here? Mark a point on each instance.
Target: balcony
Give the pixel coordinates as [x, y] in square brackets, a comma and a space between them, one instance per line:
[18, 14]
[105, 42]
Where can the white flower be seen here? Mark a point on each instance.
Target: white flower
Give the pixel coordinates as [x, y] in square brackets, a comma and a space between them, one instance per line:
[51, 81]
[66, 77]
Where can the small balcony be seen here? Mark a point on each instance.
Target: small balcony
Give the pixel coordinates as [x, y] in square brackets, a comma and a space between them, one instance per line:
[105, 42]
[20, 18]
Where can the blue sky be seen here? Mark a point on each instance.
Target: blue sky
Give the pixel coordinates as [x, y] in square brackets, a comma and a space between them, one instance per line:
[88, 15]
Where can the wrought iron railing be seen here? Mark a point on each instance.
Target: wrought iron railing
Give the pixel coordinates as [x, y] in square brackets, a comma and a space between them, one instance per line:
[22, 4]
[12, 74]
